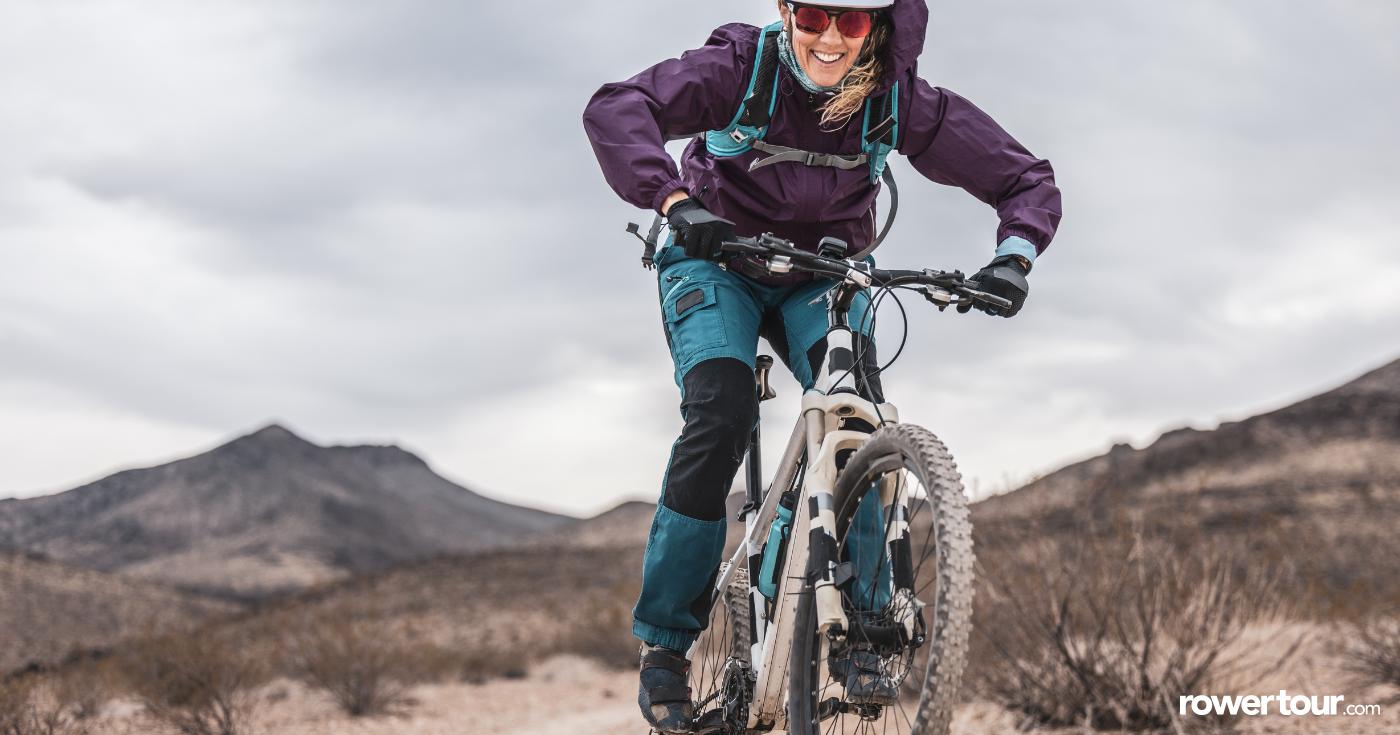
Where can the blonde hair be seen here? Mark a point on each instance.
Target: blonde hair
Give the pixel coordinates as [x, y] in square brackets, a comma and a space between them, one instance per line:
[860, 81]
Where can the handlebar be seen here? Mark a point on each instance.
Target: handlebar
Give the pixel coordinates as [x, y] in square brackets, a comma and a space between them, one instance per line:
[940, 287]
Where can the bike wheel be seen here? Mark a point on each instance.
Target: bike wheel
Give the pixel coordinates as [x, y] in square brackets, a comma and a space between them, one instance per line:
[720, 670]
[938, 576]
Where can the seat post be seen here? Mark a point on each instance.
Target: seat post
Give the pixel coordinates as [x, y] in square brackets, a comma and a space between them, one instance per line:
[753, 463]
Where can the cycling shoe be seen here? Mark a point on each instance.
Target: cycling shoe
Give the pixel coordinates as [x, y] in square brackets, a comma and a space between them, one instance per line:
[663, 693]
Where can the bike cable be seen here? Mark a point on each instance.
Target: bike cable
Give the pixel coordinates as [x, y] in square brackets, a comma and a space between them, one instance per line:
[867, 326]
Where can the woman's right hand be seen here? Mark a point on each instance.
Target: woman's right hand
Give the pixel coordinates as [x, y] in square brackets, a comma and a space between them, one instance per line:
[698, 230]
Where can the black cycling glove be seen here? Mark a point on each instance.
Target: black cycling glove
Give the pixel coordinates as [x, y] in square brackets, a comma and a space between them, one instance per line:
[1005, 276]
[697, 229]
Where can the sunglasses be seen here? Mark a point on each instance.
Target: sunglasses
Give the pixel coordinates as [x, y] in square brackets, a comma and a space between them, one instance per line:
[849, 23]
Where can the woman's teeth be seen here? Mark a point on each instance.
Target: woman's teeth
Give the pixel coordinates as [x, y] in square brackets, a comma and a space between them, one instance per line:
[827, 58]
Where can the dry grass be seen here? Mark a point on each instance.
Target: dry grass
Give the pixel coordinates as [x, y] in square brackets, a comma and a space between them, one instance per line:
[196, 684]
[480, 665]
[1105, 632]
[365, 666]
[47, 611]
[602, 631]
[1373, 657]
[29, 708]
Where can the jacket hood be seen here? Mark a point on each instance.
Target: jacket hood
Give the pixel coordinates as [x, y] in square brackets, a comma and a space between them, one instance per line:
[909, 19]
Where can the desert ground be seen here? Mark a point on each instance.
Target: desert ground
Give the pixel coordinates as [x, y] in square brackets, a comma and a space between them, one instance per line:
[569, 695]
[1281, 525]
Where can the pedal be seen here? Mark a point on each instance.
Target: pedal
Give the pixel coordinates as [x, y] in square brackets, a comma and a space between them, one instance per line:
[711, 723]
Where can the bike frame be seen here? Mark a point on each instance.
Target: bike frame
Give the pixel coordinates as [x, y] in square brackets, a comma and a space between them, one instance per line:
[812, 448]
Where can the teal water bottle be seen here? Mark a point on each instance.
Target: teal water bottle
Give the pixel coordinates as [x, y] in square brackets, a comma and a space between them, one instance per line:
[777, 544]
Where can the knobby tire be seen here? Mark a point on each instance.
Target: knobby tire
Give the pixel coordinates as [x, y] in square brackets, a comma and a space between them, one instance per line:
[944, 575]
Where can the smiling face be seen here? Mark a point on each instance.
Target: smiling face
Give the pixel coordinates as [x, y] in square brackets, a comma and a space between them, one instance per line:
[825, 56]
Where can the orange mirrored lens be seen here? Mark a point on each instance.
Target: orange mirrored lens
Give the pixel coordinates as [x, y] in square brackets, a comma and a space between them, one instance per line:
[853, 23]
[811, 20]
[850, 23]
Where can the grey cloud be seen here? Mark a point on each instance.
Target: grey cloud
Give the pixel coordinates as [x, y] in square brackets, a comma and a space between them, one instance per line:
[410, 233]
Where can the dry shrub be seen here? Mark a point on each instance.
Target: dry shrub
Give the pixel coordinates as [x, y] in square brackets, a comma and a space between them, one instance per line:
[1106, 631]
[26, 708]
[364, 666]
[199, 685]
[481, 664]
[601, 631]
[84, 686]
[14, 701]
[1374, 653]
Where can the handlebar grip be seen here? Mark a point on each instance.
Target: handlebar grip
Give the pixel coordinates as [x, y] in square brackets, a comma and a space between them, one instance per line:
[731, 246]
[972, 290]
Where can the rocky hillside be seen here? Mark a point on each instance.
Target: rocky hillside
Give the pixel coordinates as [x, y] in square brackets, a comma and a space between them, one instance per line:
[1308, 494]
[626, 524]
[265, 512]
[1344, 443]
[48, 610]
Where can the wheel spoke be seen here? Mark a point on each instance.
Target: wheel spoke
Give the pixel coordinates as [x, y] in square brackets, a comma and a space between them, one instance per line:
[927, 478]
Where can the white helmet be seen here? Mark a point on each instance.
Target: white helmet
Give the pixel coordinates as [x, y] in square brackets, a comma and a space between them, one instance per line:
[854, 4]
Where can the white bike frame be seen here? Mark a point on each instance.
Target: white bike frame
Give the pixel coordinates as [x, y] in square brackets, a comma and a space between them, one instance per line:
[816, 438]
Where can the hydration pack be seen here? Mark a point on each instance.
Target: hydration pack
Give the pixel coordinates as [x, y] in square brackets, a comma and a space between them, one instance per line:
[750, 123]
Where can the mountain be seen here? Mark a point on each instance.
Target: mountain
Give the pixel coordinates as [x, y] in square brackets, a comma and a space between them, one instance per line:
[1308, 494]
[625, 524]
[1346, 440]
[265, 512]
[48, 610]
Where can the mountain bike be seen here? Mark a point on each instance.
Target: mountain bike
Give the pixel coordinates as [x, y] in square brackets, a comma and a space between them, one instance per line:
[847, 606]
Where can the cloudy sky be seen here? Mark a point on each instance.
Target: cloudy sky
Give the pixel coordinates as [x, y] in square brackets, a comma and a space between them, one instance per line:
[381, 222]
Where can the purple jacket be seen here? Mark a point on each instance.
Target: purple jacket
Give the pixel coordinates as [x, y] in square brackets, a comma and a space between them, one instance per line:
[944, 136]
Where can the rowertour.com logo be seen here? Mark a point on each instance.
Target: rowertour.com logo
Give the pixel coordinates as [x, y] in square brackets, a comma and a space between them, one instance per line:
[1288, 705]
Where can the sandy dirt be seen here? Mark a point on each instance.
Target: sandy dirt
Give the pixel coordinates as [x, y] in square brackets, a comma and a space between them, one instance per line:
[574, 696]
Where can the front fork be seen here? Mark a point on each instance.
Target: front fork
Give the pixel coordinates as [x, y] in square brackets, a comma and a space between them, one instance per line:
[823, 414]
[826, 441]
[822, 549]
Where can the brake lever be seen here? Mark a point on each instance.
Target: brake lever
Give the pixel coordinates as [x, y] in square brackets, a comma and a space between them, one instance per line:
[985, 297]
[939, 297]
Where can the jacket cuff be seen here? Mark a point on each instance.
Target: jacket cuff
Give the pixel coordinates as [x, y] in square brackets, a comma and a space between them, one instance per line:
[1017, 246]
[667, 189]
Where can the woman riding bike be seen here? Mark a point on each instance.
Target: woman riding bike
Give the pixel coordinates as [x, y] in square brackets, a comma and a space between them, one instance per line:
[801, 160]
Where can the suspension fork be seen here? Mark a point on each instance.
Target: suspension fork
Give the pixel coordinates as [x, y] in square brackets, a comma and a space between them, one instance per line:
[824, 415]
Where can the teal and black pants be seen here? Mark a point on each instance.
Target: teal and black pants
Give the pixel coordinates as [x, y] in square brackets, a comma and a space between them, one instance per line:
[713, 319]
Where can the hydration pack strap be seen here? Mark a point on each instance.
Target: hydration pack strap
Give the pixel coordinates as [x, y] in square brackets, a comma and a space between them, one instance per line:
[881, 107]
[758, 105]
[781, 153]
[888, 177]
[881, 131]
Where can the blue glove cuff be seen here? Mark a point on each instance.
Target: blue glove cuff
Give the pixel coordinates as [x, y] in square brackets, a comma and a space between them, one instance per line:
[1017, 246]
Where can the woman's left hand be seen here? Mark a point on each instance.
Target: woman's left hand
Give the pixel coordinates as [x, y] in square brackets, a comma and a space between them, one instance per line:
[1005, 276]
